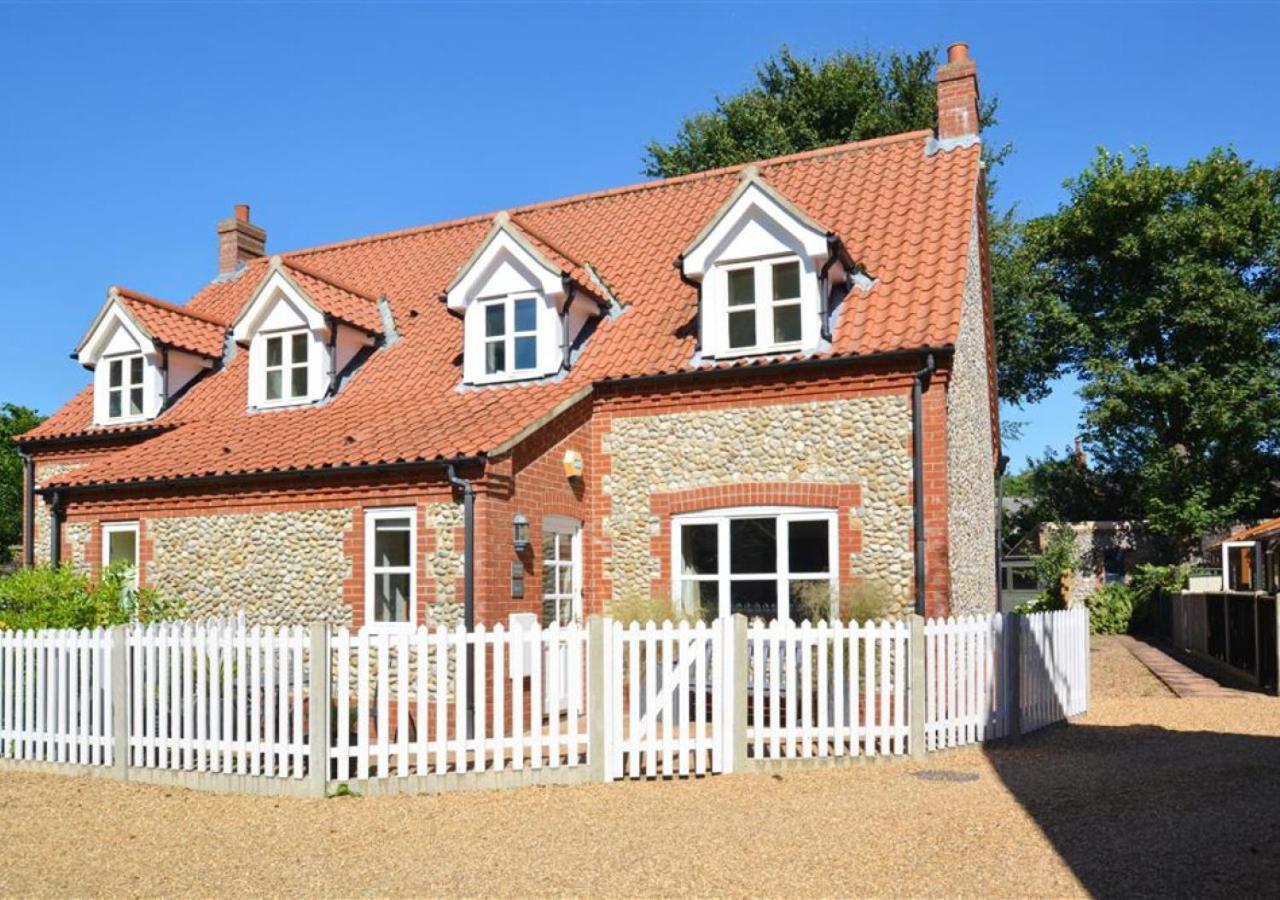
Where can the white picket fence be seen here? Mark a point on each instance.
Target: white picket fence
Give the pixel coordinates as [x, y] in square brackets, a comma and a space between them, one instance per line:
[218, 697]
[55, 696]
[602, 701]
[666, 707]
[402, 698]
[827, 690]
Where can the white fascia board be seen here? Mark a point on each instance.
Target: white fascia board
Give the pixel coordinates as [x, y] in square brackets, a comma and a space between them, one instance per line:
[114, 316]
[504, 250]
[754, 201]
[276, 286]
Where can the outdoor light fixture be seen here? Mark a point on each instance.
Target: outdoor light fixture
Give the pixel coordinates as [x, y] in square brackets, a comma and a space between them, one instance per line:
[520, 533]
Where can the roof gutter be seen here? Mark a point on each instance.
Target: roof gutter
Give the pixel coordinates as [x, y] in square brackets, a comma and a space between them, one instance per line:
[57, 512]
[918, 383]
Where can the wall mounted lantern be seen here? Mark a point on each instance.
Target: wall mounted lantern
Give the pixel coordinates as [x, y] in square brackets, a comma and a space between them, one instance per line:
[520, 533]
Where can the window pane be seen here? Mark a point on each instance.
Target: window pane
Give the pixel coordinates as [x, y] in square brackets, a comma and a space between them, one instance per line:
[566, 545]
[548, 578]
[115, 373]
[135, 402]
[526, 352]
[548, 544]
[122, 547]
[526, 315]
[742, 328]
[299, 381]
[754, 599]
[566, 579]
[786, 281]
[809, 600]
[1023, 578]
[273, 385]
[495, 319]
[808, 550]
[135, 370]
[275, 351]
[742, 287]
[698, 550]
[495, 357]
[391, 543]
[753, 546]
[391, 597]
[786, 323]
[300, 343]
[113, 403]
[703, 596]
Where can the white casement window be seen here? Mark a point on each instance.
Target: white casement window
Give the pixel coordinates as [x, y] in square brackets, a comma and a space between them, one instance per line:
[1241, 564]
[120, 546]
[285, 367]
[125, 387]
[561, 571]
[764, 562]
[390, 580]
[510, 335]
[763, 305]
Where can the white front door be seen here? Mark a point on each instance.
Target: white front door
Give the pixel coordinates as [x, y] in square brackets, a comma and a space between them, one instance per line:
[562, 602]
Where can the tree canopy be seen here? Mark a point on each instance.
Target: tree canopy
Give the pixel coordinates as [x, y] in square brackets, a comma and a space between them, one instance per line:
[1164, 287]
[14, 420]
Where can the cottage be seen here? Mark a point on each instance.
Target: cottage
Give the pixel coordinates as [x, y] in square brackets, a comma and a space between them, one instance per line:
[718, 389]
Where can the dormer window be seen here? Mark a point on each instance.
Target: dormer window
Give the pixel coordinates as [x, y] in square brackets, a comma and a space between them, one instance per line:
[285, 368]
[764, 305]
[759, 262]
[510, 335]
[125, 390]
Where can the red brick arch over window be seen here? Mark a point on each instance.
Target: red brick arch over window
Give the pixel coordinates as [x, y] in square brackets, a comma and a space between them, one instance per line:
[840, 497]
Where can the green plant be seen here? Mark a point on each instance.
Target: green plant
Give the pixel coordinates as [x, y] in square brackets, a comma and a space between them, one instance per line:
[1110, 609]
[1055, 566]
[1149, 584]
[343, 790]
[63, 597]
[860, 602]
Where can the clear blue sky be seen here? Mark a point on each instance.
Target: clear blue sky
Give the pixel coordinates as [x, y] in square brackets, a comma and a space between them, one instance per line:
[128, 131]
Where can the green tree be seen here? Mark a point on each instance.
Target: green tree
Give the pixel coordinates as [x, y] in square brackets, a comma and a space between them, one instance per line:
[14, 420]
[1168, 282]
[801, 104]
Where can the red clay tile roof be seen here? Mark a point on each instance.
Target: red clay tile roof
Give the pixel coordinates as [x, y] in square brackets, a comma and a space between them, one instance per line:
[175, 326]
[349, 304]
[903, 213]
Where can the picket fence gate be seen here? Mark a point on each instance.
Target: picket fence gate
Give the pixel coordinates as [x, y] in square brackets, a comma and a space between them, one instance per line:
[231, 707]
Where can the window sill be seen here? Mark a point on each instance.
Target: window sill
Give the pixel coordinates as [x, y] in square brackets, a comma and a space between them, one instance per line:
[773, 350]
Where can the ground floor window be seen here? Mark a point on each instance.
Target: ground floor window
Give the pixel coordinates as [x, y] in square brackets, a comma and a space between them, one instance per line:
[764, 562]
[561, 571]
[120, 546]
[1240, 565]
[1019, 576]
[390, 541]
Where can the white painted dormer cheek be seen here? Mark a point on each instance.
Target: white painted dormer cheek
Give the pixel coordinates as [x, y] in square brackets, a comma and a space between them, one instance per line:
[759, 268]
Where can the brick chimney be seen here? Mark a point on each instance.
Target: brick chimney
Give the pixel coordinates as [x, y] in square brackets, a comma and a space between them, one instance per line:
[239, 241]
[957, 94]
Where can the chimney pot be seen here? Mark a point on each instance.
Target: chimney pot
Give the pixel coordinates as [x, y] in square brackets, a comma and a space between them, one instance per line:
[239, 241]
[957, 94]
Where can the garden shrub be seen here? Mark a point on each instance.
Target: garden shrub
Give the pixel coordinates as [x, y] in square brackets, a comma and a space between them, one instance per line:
[1150, 583]
[62, 597]
[860, 602]
[1110, 609]
[644, 608]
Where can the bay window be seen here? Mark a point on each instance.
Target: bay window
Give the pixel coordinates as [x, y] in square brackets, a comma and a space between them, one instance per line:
[764, 562]
[390, 567]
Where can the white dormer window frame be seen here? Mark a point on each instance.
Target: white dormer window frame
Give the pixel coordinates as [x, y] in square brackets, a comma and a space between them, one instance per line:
[286, 370]
[758, 262]
[128, 378]
[281, 317]
[126, 386]
[507, 272]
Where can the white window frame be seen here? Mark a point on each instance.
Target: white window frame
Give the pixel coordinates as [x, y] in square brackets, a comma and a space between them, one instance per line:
[763, 305]
[509, 335]
[127, 385]
[286, 367]
[1227, 547]
[371, 518]
[130, 527]
[564, 526]
[781, 574]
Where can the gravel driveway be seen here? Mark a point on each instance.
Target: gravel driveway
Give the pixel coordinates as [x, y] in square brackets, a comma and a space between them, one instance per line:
[1147, 795]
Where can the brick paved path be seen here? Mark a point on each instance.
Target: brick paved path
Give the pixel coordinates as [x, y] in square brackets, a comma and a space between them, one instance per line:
[1185, 682]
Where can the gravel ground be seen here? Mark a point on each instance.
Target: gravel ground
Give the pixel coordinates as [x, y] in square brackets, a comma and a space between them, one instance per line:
[1147, 795]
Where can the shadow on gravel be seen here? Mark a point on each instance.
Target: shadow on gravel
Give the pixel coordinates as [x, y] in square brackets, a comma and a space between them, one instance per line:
[1143, 810]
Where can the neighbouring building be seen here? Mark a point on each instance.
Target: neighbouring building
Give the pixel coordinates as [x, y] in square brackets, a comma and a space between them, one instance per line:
[720, 389]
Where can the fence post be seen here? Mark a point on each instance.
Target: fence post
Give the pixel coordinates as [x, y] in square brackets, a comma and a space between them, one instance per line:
[120, 702]
[319, 688]
[597, 678]
[916, 688]
[739, 657]
[1013, 668]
